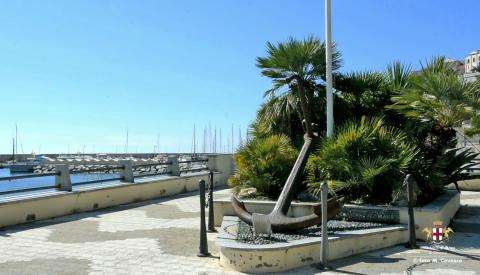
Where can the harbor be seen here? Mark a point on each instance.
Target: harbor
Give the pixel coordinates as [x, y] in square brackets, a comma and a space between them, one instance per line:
[88, 168]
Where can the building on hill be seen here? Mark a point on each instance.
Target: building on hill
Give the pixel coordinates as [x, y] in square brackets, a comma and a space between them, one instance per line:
[472, 61]
[457, 65]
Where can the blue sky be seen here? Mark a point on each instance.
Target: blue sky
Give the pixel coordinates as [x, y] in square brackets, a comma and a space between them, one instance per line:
[77, 74]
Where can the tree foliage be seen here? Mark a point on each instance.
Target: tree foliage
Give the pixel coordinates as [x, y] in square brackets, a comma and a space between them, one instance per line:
[297, 70]
[369, 159]
[365, 160]
[264, 163]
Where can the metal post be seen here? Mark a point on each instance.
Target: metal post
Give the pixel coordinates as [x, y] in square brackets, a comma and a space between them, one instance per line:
[127, 171]
[174, 167]
[211, 225]
[324, 247]
[62, 178]
[328, 54]
[203, 249]
[412, 243]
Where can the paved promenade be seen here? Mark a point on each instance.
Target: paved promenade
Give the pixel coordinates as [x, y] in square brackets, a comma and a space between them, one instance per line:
[161, 237]
[154, 237]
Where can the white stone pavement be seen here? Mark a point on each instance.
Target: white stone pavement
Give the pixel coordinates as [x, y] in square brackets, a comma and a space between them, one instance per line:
[161, 237]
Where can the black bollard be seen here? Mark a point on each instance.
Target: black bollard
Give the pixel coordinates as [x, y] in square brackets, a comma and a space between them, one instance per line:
[324, 244]
[412, 242]
[203, 249]
[211, 220]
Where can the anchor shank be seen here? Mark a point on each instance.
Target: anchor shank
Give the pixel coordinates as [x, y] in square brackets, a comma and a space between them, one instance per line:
[288, 191]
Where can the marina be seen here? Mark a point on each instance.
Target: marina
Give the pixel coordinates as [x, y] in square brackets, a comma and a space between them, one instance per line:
[239, 137]
[85, 169]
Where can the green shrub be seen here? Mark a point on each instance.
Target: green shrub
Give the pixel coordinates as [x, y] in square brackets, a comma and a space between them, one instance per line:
[365, 161]
[450, 167]
[264, 163]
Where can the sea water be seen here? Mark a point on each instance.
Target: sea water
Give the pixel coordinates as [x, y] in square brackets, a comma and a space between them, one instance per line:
[45, 181]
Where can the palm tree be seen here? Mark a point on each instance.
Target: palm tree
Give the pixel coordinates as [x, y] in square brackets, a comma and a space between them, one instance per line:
[282, 113]
[292, 66]
[366, 159]
[264, 163]
[365, 92]
[398, 76]
[436, 94]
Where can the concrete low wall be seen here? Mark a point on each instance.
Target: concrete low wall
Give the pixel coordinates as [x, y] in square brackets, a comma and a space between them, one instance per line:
[27, 208]
[278, 257]
[467, 185]
[441, 209]
[56, 204]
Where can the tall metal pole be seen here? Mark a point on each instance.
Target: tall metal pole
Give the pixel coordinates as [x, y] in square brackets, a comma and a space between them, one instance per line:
[328, 54]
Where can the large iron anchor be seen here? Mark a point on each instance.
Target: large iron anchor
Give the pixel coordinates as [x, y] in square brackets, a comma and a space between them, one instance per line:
[278, 219]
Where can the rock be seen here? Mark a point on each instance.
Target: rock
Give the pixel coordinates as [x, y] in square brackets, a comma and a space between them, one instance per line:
[246, 235]
[246, 192]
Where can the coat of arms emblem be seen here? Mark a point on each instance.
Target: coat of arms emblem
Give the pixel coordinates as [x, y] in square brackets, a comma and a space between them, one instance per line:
[437, 233]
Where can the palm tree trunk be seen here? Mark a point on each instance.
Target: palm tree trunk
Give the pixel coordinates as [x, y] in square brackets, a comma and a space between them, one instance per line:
[305, 109]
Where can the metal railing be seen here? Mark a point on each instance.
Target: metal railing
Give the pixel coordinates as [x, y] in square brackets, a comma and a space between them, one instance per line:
[126, 170]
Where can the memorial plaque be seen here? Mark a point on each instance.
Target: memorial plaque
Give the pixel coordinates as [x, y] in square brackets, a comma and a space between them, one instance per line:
[369, 214]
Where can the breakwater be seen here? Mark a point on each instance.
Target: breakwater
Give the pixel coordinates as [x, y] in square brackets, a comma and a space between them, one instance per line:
[4, 158]
[80, 168]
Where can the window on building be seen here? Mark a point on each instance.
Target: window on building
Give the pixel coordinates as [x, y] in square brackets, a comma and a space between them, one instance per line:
[468, 61]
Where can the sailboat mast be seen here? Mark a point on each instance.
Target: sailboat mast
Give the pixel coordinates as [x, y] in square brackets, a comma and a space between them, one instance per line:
[215, 140]
[126, 144]
[194, 140]
[204, 139]
[232, 139]
[16, 138]
[13, 151]
[210, 137]
[239, 136]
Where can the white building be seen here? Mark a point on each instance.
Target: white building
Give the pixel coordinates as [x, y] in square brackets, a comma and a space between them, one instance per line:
[472, 61]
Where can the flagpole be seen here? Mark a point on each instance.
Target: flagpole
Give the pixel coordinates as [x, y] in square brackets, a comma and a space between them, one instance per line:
[328, 53]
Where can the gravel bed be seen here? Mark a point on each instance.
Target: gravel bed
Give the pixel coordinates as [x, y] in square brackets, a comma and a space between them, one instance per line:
[246, 235]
